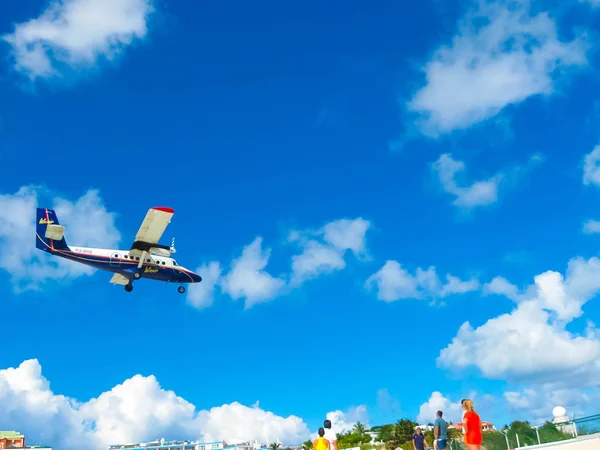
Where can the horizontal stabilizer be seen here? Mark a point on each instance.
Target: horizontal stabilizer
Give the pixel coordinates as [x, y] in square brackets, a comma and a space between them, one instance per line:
[119, 279]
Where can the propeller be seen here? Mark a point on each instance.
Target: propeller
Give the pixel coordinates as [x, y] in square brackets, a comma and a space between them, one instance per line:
[173, 246]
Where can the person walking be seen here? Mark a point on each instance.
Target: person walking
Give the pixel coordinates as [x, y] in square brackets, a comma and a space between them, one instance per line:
[472, 426]
[330, 435]
[321, 443]
[419, 441]
[440, 431]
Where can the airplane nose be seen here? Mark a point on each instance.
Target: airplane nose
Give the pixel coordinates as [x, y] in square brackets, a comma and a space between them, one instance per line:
[197, 278]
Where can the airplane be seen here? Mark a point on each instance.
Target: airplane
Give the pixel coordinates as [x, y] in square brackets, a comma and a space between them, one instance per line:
[145, 259]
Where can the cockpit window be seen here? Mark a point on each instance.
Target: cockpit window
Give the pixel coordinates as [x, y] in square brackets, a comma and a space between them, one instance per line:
[174, 262]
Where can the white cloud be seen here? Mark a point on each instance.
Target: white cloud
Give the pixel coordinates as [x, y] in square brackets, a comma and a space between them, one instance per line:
[501, 55]
[591, 226]
[393, 282]
[248, 279]
[87, 222]
[316, 259]
[201, 295]
[532, 343]
[537, 402]
[137, 410]
[479, 193]
[75, 34]
[324, 249]
[501, 286]
[437, 402]
[591, 167]
[345, 421]
[486, 405]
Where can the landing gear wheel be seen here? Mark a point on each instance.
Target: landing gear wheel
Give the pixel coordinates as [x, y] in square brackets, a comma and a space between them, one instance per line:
[136, 275]
[129, 287]
[181, 289]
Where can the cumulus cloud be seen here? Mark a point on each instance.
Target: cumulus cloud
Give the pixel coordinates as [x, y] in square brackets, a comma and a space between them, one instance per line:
[137, 410]
[591, 226]
[344, 421]
[502, 54]
[248, 279]
[478, 193]
[437, 402]
[76, 34]
[323, 251]
[532, 343]
[87, 222]
[201, 295]
[591, 167]
[537, 402]
[486, 405]
[393, 282]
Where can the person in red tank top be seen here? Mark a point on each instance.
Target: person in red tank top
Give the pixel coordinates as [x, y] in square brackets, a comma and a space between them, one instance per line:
[472, 424]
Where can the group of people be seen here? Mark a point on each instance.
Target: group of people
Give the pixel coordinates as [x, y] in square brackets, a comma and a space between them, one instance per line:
[471, 428]
[327, 439]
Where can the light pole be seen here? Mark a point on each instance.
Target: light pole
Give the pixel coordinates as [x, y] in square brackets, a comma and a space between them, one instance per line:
[505, 432]
[537, 432]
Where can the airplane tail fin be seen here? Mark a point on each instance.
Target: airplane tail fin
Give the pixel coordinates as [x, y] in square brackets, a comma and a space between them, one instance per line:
[49, 233]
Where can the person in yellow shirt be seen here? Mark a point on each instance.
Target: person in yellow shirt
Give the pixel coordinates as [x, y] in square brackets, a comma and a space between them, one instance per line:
[321, 443]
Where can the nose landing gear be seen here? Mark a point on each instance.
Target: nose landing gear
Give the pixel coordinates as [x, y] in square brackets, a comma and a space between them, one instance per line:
[181, 289]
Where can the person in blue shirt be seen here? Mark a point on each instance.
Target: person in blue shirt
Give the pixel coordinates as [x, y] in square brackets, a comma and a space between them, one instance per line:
[440, 432]
[419, 441]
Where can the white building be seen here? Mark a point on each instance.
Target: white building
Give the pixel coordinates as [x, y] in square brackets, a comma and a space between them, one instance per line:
[170, 445]
[188, 445]
[562, 421]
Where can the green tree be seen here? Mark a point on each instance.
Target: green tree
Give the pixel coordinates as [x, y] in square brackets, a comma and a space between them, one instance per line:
[275, 446]
[404, 430]
[385, 433]
[307, 445]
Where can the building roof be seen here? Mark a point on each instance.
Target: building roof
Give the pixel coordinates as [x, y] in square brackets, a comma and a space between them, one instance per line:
[11, 435]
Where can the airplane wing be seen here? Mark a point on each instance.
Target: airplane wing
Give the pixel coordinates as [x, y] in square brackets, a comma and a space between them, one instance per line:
[119, 279]
[152, 228]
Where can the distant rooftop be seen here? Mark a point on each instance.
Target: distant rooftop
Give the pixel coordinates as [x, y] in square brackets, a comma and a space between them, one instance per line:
[11, 435]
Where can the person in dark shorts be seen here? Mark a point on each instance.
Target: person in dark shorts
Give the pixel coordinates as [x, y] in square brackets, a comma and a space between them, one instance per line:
[419, 441]
[440, 432]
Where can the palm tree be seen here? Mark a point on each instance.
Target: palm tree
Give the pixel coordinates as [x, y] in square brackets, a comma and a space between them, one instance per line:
[307, 445]
[275, 446]
[360, 430]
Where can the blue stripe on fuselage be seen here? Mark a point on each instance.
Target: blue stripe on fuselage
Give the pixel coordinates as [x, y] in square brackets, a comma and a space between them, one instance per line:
[125, 267]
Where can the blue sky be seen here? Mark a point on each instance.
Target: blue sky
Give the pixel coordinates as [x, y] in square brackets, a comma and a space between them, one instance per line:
[394, 137]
